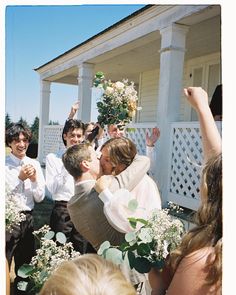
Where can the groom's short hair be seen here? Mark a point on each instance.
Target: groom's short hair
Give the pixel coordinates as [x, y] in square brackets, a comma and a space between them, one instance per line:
[73, 157]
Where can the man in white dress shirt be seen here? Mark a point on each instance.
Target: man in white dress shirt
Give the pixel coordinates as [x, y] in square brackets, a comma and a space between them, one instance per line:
[25, 180]
[61, 186]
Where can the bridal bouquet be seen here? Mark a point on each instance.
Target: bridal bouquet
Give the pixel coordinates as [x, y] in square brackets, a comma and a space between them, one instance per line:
[48, 257]
[148, 246]
[13, 216]
[118, 102]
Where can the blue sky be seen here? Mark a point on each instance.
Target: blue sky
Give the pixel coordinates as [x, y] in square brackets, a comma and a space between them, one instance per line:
[37, 34]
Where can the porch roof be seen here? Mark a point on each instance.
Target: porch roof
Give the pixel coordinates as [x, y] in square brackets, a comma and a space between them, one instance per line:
[130, 46]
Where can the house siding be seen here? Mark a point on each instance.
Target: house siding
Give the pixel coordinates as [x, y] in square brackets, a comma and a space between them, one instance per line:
[148, 88]
[148, 96]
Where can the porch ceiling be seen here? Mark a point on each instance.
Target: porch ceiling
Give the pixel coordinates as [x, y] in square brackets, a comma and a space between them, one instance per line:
[143, 54]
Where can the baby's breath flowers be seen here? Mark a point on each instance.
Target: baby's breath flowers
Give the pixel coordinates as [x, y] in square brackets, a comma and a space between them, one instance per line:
[118, 102]
[48, 257]
[13, 216]
[148, 246]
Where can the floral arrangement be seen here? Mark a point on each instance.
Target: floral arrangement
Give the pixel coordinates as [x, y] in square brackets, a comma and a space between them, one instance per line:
[13, 216]
[48, 257]
[148, 246]
[118, 102]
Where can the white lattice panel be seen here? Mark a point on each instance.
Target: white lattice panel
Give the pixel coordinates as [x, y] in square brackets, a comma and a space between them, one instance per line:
[185, 164]
[52, 139]
[137, 133]
[185, 156]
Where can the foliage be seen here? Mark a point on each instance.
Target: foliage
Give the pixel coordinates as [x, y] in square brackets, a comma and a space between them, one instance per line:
[35, 130]
[23, 122]
[48, 257]
[118, 102]
[53, 122]
[7, 120]
[149, 245]
[13, 216]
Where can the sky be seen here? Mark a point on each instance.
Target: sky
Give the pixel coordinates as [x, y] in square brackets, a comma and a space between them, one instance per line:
[37, 34]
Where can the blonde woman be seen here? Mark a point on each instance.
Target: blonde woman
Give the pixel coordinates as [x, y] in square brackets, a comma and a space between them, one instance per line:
[196, 266]
[88, 274]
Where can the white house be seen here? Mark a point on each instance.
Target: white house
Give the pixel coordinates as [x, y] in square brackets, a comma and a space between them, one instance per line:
[162, 48]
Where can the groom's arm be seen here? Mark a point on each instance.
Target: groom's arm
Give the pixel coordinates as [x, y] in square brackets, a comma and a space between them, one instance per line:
[132, 175]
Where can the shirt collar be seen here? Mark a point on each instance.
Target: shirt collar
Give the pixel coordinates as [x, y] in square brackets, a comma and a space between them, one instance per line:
[16, 160]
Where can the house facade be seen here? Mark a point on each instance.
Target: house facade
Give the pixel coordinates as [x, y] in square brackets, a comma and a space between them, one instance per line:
[162, 48]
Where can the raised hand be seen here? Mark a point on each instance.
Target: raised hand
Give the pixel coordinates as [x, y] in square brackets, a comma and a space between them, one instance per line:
[197, 97]
[27, 172]
[102, 183]
[151, 140]
[74, 109]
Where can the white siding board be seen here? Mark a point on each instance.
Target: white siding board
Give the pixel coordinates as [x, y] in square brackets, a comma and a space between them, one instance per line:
[148, 96]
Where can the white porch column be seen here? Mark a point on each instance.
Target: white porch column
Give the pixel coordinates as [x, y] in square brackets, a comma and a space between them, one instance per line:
[170, 87]
[43, 114]
[85, 80]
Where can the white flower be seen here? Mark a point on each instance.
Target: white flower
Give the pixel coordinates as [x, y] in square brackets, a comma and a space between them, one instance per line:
[109, 90]
[119, 85]
[13, 216]
[118, 102]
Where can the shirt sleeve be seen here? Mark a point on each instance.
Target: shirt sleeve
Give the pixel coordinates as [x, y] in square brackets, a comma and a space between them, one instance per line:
[116, 208]
[151, 154]
[38, 187]
[117, 211]
[56, 174]
[13, 183]
[132, 175]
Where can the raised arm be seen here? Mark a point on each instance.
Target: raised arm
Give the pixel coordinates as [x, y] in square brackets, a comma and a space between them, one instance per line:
[211, 138]
[74, 109]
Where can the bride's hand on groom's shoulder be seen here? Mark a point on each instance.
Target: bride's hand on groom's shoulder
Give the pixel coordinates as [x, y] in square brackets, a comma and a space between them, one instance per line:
[102, 183]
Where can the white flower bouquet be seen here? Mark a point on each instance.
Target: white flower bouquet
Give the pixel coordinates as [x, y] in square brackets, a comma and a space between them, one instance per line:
[13, 216]
[118, 102]
[48, 257]
[148, 246]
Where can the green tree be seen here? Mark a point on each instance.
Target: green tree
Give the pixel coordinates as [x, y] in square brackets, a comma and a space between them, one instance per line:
[7, 120]
[23, 122]
[53, 122]
[35, 130]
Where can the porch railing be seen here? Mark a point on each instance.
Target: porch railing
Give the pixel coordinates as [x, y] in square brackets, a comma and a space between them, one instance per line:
[185, 164]
[185, 156]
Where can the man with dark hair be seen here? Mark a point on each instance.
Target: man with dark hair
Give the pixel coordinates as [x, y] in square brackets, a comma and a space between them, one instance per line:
[61, 186]
[25, 180]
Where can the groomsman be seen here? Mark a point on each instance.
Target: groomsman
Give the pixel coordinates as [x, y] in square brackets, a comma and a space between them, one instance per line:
[24, 178]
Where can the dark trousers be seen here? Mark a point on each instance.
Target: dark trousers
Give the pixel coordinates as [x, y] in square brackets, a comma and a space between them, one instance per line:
[60, 222]
[20, 244]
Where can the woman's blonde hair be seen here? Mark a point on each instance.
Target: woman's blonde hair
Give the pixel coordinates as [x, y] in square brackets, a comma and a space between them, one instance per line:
[88, 274]
[208, 219]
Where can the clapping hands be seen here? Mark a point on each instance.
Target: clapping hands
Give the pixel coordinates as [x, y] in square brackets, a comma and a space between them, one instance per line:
[27, 172]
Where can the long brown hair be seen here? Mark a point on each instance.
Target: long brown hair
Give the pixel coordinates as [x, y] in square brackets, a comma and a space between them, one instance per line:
[208, 219]
[121, 150]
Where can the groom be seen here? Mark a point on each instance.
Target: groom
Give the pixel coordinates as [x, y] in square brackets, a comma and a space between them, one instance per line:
[85, 207]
